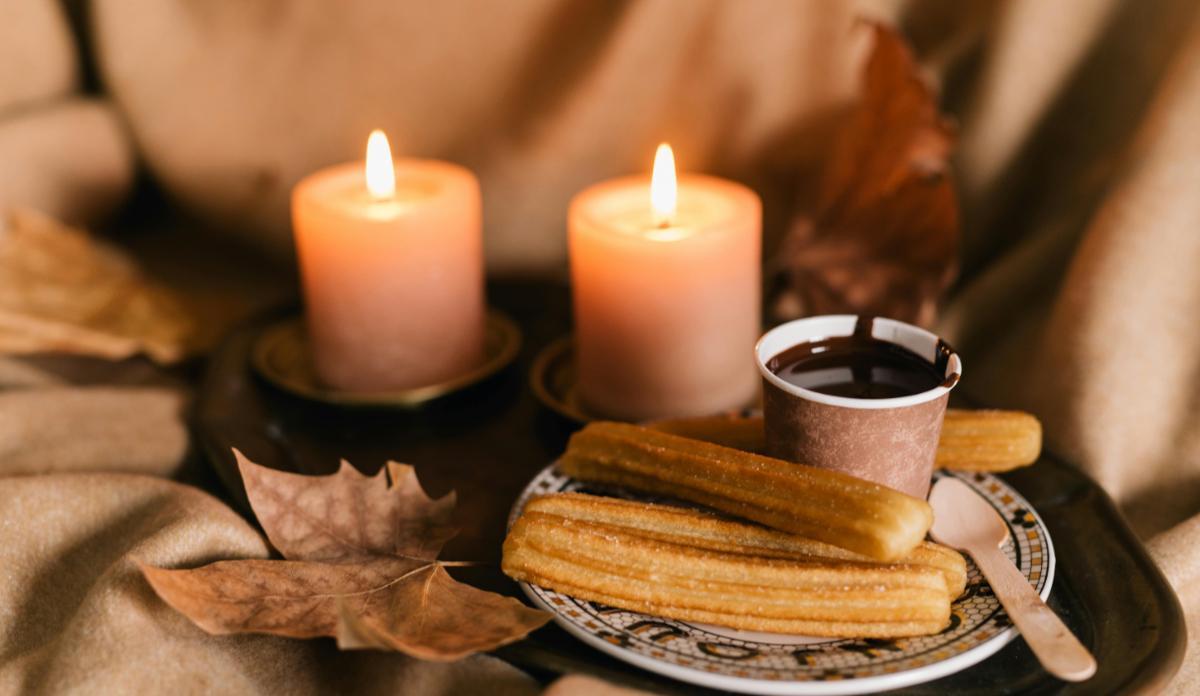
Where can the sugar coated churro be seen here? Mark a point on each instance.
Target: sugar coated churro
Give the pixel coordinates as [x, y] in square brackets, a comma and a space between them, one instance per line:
[989, 440]
[738, 432]
[972, 440]
[827, 506]
[703, 530]
[618, 566]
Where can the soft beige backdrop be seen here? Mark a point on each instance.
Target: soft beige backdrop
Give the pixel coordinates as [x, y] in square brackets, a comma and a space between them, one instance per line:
[1079, 162]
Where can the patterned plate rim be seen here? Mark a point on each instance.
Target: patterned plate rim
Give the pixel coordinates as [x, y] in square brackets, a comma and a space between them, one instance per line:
[852, 685]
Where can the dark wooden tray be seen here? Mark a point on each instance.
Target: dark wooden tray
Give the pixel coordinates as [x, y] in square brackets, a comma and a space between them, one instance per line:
[487, 442]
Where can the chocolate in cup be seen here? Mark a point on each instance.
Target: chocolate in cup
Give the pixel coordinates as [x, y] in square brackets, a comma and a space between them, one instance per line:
[892, 441]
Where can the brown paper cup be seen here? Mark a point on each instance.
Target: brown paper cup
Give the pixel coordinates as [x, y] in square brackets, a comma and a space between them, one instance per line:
[889, 441]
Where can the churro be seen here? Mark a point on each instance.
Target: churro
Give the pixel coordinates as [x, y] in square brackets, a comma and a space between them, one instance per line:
[618, 567]
[738, 432]
[703, 530]
[989, 440]
[972, 440]
[827, 506]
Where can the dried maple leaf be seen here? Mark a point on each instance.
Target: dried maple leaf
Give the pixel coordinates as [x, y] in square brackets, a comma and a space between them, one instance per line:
[883, 236]
[347, 516]
[62, 290]
[361, 566]
[454, 619]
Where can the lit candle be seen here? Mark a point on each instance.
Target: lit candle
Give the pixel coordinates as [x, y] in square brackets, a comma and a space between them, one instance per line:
[666, 283]
[391, 258]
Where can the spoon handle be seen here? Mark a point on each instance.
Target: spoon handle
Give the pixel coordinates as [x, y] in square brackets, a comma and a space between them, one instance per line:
[1059, 651]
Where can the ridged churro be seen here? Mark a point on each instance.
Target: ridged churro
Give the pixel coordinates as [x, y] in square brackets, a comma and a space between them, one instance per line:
[738, 432]
[703, 530]
[828, 506]
[618, 567]
[989, 440]
[972, 440]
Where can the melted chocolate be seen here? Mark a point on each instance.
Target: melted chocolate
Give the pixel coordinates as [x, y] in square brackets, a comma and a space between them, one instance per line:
[861, 367]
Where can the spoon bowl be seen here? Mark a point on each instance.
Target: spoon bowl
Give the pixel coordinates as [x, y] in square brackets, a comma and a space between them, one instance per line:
[962, 518]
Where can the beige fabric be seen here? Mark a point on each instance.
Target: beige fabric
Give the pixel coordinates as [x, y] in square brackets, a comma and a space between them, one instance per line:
[60, 413]
[75, 614]
[1097, 303]
[1176, 553]
[1009, 100]
[77, 617]
[60, 153]
[574, 685]
[538, 97]
[1079, 160]
[70, 159]
[98, 428]
[37, 53]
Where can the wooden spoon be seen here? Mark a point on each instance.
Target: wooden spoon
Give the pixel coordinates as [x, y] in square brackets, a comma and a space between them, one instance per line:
[964, 520]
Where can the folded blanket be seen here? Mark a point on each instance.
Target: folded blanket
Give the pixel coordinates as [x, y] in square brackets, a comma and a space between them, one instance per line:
[69, 158]
[77, 616]
[38, 56]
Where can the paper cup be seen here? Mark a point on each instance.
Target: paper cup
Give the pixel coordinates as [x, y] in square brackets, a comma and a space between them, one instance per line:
[889, 441]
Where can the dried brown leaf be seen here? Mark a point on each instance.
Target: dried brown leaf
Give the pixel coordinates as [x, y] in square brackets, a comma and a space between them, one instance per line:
[62, 290]
[434, 617]
[297, 599]
[361, 567]
[883, 236]
[347, 515]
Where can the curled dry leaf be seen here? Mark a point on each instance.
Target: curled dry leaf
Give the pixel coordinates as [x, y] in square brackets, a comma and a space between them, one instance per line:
[883, 236]
[286, 598]
[434, 617]
[62, 290]
[361, 567]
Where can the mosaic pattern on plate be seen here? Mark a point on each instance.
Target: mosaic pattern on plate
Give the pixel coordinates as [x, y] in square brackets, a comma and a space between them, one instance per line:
[977, 617]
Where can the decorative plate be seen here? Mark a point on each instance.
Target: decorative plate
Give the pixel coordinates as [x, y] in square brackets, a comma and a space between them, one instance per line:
[752, 662]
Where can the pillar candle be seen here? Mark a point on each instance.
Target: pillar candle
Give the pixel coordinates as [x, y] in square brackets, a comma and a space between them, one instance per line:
[391, 260]
[666, 283]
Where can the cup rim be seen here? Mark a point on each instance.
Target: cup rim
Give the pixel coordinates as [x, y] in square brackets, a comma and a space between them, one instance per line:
[953, 365]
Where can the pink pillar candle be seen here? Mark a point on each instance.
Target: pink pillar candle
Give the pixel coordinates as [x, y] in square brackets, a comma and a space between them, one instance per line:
[666, 296]
[392, 269]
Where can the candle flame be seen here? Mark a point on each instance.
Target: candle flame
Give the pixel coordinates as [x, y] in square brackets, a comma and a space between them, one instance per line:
[381, 176]
[663, 189]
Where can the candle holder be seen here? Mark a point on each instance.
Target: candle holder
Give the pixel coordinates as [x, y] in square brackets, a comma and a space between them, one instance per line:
[282, 356]
[553, 381]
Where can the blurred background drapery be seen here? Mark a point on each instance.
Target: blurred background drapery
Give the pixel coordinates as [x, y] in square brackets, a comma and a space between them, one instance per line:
[1077, 161]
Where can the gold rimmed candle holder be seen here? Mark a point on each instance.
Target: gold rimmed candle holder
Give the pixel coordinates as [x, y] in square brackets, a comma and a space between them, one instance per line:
[554, 382]
[552, 379]
[283, 357]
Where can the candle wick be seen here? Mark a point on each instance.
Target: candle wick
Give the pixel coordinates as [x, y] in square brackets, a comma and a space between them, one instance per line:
[664, 224]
